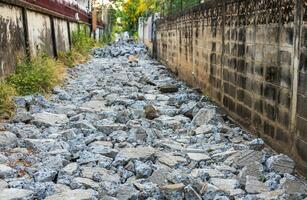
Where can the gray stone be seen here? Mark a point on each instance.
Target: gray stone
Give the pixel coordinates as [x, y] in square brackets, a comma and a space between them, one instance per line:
[70, 169]
[272, 195]
[127, 191]
[254, 186]
[190, 193]
[6, 171]
[151, 112]
[23, 117]
[102, 143]
[203, 116]
[159, 176]
[99, 173]
[40, 144]
[103, 150]
[78, 194]
[147, 189]
[272, 180]
[178, 176]
[173, 191]
[86, 183]
[170, 160]
[83, 125]
[109, 128]
[280, 164]
[256, 144]
[70, 110]
[14, 194]
[107, 197]
[45, 175]
[64, 96]
[237, 192]
[119, 136]
[68, 134]
[58, 188]
[209, 188]
[227, 185]
[292, 185]
[168, 88]
[7, 138]
[94, 106]
[49, 119]
[166, 143]
[248, 156]
[138, 153]
[3, 184]
[204, 129]
[86, 157]
[225, 168]
[109, 188]
[198, 156]
[213, 173]
[142, 170]
[253, 169]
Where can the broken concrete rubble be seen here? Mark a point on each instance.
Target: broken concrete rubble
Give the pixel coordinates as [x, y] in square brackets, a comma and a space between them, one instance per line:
[123, 128]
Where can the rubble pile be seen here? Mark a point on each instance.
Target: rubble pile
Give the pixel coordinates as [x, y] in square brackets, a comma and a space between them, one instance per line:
[120, 131]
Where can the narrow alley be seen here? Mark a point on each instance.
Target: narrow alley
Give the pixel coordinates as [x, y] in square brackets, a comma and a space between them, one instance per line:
[123, 127]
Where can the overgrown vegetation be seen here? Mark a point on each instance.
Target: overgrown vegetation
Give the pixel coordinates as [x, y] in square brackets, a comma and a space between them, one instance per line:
[41, 73]
[129, 11]
[38, 75]
[6, 103]
[82, 44]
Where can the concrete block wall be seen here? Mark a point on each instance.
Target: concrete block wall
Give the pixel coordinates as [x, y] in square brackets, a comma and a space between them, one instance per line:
[39, 31]
[12, 42]
[62, 35]
[251, 57]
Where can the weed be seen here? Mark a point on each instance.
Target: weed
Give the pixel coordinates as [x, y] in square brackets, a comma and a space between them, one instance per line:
[106, 39]
[38, 75]
[82, 44]
[72, 58]
[6, 103]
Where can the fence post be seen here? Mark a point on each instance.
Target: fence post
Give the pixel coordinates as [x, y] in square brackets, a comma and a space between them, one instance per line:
[295, 64]
[69, 35]
[54, 46]
[26, 32]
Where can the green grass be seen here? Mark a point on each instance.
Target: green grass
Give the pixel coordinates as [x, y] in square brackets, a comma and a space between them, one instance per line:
[6, 100]
[42, 73]
[82, 45]
[38, 75]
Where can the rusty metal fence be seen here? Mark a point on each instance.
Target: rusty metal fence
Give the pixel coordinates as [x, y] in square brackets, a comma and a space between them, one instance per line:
[175, 6]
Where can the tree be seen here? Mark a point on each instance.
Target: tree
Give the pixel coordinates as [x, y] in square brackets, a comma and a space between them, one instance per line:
[129, 11]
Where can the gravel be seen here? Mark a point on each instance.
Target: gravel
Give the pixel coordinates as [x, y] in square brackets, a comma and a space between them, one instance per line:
[124, 127]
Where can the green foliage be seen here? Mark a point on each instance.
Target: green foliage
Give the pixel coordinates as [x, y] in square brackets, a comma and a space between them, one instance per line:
[82, 44]
[67, 58]
[128, 12]
[42, 73]
[38, 75]
[106, 38]
[6, 103]
[135, 36]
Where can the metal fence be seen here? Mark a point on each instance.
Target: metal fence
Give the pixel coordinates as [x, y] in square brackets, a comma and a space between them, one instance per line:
[169, 7]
